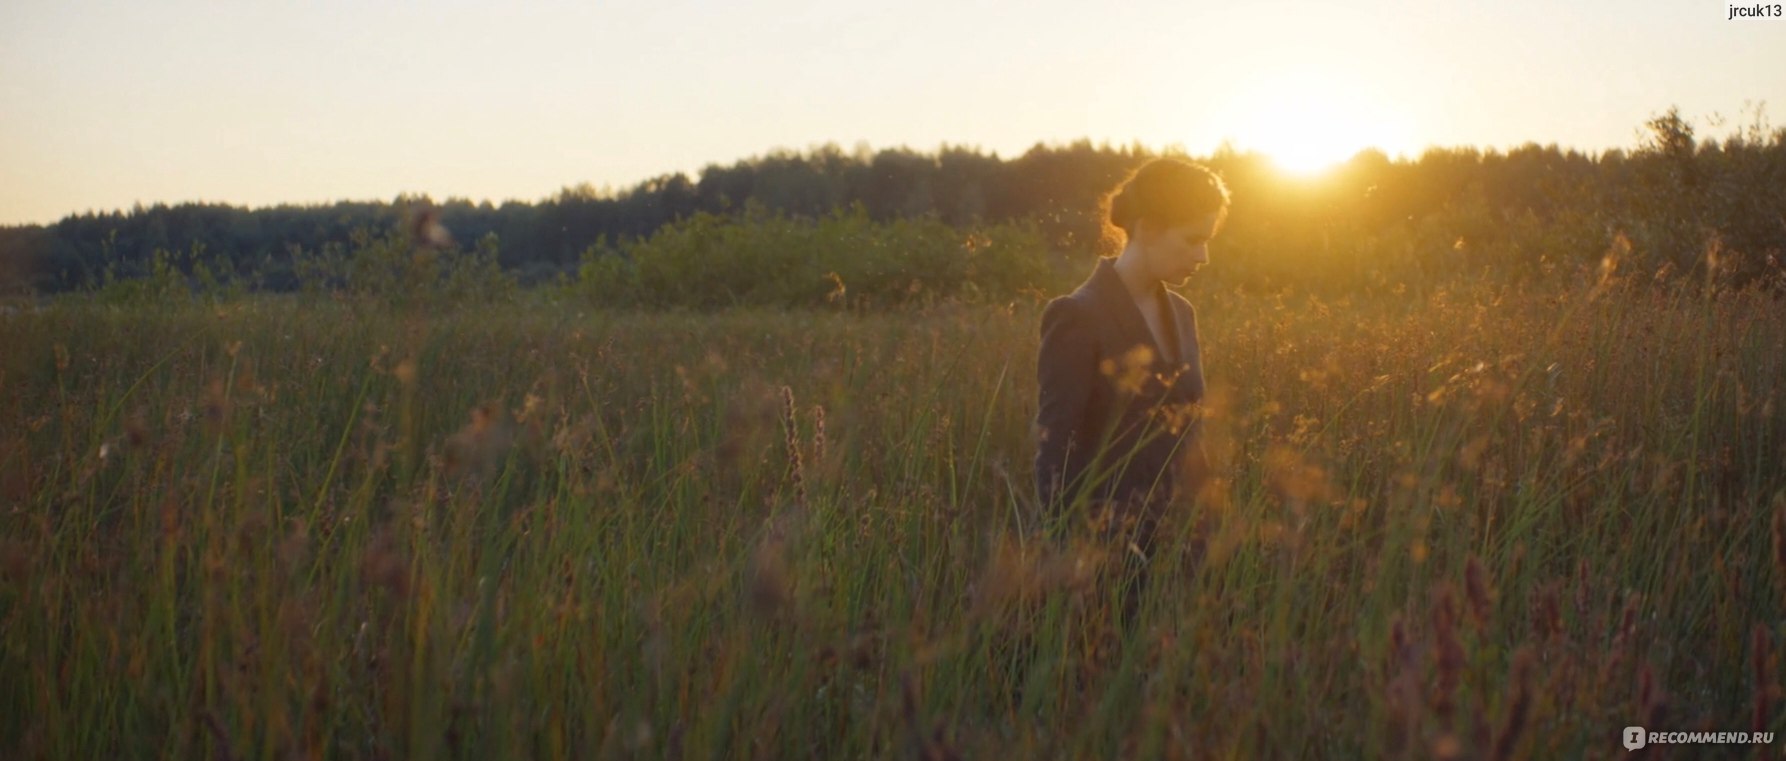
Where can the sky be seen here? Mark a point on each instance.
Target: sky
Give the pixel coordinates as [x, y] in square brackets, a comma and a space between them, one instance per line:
[258, 102]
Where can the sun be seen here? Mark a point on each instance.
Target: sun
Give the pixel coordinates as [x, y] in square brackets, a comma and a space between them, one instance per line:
[1307, 124]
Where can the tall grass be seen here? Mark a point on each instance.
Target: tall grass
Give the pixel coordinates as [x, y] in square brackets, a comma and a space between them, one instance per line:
[1477, 522]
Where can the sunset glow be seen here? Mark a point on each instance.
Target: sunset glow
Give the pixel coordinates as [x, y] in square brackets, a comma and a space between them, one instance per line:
[110, 104]
[1307, 124]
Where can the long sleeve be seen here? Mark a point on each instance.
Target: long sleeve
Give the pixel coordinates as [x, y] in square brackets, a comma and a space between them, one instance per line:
[1066, 368]
[1194, 464]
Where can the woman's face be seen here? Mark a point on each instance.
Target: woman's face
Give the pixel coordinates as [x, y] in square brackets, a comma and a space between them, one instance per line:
[1173, 254]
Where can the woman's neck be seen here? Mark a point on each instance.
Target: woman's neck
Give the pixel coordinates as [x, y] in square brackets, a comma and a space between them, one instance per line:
[1141, 286]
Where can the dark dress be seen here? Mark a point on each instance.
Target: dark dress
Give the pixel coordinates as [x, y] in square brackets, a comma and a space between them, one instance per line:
[1113, 421]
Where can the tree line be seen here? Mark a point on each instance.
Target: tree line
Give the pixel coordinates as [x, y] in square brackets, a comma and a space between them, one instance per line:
[1675, 202]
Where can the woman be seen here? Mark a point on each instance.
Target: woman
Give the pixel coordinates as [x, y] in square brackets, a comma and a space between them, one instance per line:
[1120, 370]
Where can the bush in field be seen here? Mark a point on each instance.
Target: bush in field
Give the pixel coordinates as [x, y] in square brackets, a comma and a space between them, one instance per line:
[172, 276]
[1701, 206]
[844, 258]
[396, 268]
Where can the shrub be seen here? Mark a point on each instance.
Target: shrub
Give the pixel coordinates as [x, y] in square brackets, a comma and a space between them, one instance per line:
[843, 259]
[395, 269]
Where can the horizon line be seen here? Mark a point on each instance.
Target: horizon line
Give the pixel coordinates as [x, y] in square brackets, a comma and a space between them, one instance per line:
[1225, 147]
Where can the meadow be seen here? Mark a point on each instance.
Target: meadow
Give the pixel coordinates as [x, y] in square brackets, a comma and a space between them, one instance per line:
[1469, 520]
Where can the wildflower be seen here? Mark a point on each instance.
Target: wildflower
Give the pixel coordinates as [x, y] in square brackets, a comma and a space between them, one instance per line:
[216, 405]
[1765, 669]
[769, 584]
[791, 434]
[15, 561]
[1479, 591]
[1136, 368]
[1519, 704]
[1778, 529]
[383, 564]
[1652, 703]
[1547, 614]
[838, 291]
[1010, 576]
[1448, 650]
[477, 448]
[1293, 479]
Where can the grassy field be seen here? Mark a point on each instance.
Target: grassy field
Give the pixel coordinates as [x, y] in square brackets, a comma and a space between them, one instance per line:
[1482, 522]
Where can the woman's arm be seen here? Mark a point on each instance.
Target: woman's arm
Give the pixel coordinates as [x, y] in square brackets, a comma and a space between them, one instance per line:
[1194, 465]
[1066, 367]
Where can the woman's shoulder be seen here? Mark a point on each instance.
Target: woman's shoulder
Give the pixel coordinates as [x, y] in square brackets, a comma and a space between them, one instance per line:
[1086, 299]
[1066, 303]
[1067, 310]
[1067, 317]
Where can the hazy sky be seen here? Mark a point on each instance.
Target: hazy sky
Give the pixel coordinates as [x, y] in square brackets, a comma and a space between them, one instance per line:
[103, 104]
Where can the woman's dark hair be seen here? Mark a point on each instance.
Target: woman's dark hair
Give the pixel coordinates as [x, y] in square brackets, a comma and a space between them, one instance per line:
[1167, 191]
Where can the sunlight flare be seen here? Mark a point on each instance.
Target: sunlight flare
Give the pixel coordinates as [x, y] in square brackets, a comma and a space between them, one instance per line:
[1307, 124]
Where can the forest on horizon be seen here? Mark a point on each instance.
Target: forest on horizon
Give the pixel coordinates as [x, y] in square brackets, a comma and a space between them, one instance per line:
[1667, 201]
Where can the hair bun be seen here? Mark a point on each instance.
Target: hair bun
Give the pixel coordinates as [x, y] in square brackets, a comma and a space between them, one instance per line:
[1167, 192]
[1122, 208]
